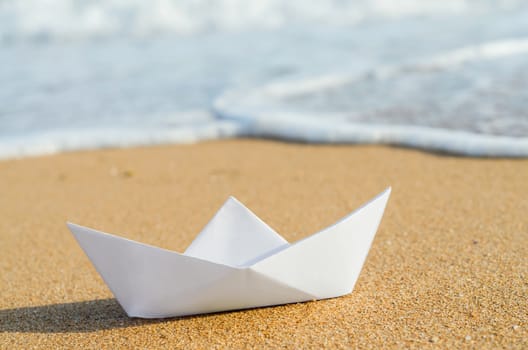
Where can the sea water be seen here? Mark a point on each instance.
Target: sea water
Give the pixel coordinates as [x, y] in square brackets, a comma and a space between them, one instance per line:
[449, 76]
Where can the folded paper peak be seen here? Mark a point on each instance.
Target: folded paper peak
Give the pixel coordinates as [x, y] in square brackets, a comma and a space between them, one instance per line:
[236, 262]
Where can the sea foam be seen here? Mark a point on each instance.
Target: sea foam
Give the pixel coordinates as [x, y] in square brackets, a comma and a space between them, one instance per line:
[462, 102]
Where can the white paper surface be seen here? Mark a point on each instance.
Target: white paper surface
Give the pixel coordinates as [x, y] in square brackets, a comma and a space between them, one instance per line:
[236, 262]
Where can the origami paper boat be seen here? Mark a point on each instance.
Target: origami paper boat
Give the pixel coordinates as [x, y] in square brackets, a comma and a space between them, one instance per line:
[236, 262]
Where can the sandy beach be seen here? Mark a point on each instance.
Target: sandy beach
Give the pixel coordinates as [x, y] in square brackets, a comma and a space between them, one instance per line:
[448, 267]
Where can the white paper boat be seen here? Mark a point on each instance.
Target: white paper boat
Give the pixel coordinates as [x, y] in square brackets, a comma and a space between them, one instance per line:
[236, 262]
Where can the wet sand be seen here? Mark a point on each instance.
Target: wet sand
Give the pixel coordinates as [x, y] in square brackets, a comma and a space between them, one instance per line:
[448, 267]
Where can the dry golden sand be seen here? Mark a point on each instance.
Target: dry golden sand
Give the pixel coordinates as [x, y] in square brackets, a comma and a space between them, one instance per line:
[447, 269]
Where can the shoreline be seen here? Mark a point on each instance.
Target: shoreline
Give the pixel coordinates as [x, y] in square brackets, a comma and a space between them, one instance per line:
[447, 268]
[232, 126]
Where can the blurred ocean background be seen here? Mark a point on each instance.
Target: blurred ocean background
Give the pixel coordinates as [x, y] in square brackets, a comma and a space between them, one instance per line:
[448, 76]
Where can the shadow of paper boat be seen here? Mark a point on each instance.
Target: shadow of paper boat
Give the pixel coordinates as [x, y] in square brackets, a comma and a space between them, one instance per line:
[236, 262]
